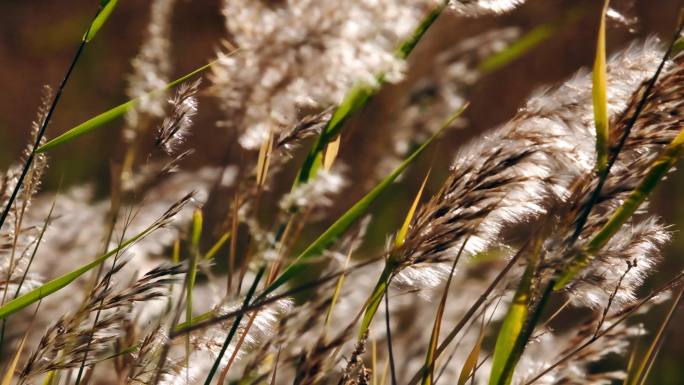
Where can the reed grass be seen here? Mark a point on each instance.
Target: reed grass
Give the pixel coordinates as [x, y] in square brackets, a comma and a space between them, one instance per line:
[535, 219]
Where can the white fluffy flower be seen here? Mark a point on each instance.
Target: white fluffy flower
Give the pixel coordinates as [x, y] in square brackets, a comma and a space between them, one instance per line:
[302, 55]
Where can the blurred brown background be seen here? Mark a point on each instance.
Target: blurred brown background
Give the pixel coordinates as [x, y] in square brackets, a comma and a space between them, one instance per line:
[39, 37]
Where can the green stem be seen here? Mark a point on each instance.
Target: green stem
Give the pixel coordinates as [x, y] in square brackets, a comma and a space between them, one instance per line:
[374, 300]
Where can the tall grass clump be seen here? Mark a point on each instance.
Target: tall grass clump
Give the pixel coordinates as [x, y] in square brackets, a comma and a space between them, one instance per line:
[523, 263]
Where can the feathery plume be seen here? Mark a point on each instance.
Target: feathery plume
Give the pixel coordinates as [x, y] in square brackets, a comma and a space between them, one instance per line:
[151, 67]
[173, 130]
[302, 56]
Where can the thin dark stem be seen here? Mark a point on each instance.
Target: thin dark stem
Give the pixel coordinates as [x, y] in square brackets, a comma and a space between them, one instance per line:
[594, 198]
[611, 299]
[456, 347]
[46, 121]
[28, 267]
[473, 309]
[259, 303]
[108, 279]
[233, 329]
[677, 280]
[657, 344]
[393, 370]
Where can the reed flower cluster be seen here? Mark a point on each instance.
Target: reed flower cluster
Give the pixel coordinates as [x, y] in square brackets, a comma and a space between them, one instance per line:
[217, 275]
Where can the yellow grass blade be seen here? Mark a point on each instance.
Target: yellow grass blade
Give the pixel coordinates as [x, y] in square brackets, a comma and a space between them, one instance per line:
[330, 153]
[217, 246]
[471, 361]
[338, 289]
[644, 368]
[262, 162]
[401, 235]
[175, 254]
[9, 373]
[599, 97]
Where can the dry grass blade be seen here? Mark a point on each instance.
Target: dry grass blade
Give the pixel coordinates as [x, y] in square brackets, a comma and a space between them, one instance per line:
[471, 311]
[263, 161]
[431, 356]
[338, 290]
[644, 368]
[9, 371]
[330, 152]
[470, 363]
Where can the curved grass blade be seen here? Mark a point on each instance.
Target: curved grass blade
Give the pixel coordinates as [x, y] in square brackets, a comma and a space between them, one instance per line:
[509, 332]
[9, 371]
[471, 361]
[374, 300]
[352, 102]
[356, 98]
[599, 96]
[646, 364]
[347, 219]
[519, 48]
[108, 7]
[56, 284]
[511, 339]
[112, 114]
[401, 235]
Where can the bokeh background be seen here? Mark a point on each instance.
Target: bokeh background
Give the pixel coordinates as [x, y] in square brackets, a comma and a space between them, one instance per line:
[39, 37]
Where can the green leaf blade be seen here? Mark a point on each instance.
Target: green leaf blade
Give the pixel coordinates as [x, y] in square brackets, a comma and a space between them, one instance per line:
[112, 114]
[56, 284]
[102, 16]
[347, 219]
[505, 341]
[88, 126]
